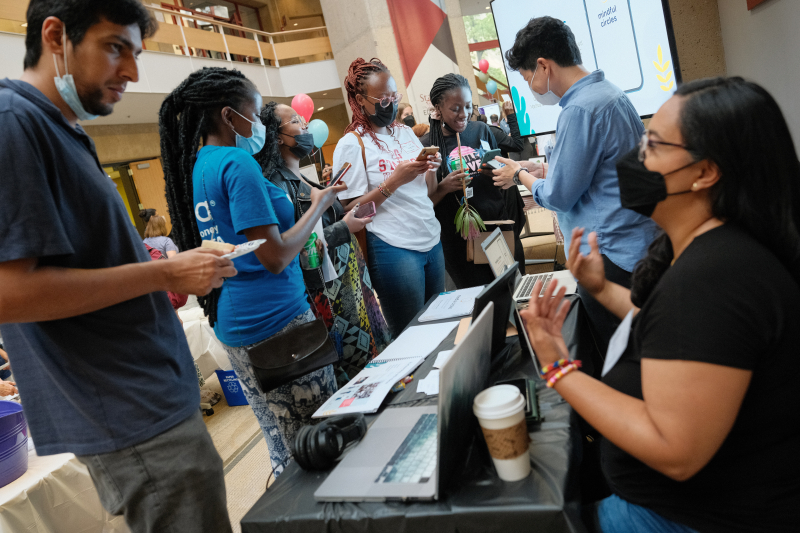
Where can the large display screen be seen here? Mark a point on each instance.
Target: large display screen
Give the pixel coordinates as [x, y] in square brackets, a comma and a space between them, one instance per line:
[630, 40]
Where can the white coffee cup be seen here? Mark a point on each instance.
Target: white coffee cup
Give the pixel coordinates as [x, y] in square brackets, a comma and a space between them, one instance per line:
[501, 414]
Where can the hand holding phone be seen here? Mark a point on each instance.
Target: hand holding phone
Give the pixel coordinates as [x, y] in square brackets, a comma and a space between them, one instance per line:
[338, 176]
[430, 150]
[354, 219]
[365, 211]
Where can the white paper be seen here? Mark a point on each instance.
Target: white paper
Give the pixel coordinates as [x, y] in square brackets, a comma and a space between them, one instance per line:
[442, 358]
[618, 343]
[366, 391]
[328, 272]
[429, 384]
[452, 304]
[469, 192]
[417, 342]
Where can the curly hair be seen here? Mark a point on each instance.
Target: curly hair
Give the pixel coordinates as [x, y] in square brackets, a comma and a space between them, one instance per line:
[357, 76]
[187, 116]
[441, 87]
[270, 156]
[544, 37]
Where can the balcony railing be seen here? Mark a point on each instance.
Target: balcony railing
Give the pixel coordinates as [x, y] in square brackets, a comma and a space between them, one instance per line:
[185, 32]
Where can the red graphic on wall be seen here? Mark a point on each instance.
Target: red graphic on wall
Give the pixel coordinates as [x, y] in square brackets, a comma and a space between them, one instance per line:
[416, 24]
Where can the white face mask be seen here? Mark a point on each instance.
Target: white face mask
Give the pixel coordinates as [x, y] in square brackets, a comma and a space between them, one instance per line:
[66, 85]
[548, 98]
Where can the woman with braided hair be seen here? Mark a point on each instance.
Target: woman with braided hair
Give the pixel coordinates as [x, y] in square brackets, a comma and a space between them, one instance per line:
[347, 304]
[218, 193]
[405, 256]
[451, 98]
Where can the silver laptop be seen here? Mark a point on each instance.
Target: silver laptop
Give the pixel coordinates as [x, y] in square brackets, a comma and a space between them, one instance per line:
[412, 453]
[500, 258]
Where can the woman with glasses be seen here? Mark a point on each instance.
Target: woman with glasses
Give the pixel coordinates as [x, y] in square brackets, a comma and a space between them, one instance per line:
[404, 254]
[699, 389]
[347, 304]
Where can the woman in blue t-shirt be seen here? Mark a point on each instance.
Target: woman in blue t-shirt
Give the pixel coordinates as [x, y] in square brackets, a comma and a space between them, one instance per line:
[219, 194]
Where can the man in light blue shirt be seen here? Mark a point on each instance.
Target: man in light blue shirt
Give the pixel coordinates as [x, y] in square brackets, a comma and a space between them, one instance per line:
[597, 125]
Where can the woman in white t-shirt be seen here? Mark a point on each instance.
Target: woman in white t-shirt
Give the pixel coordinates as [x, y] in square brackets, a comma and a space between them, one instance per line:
[405, 256]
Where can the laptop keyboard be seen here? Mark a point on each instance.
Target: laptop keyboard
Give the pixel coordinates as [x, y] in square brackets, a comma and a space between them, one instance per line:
[525, 288]
[415, 459]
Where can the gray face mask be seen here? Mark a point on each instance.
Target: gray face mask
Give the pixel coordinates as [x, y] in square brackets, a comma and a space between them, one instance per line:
[66, 85]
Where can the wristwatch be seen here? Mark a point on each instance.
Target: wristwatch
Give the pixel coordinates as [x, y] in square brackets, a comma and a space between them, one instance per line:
[515, 179]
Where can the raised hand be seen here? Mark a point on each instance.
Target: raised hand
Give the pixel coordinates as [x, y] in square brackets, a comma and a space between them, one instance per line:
[198, 271]
[543, 320]
[587, 269]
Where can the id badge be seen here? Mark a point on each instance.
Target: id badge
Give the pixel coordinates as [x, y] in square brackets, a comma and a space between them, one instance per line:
[469, 193]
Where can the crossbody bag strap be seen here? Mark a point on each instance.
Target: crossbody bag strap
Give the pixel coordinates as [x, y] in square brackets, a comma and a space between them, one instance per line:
[363, 149]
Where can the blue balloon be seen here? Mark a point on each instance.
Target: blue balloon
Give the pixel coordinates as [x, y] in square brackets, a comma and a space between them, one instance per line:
[319, 130]
[491, 86]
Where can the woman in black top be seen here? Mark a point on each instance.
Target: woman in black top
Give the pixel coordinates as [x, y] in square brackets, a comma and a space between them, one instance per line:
[347, 304]
[452, 99]
[699, 411]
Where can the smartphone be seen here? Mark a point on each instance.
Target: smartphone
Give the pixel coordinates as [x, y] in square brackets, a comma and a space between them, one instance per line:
[495, 164]
[366, 210]
[338, 176]
[489, 156]
[430, 150]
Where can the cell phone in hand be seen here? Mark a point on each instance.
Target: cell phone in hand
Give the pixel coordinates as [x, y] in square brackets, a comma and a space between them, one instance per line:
[495, 164]
[366, 210]
[338, 176]
[430, 150]
[489, 156]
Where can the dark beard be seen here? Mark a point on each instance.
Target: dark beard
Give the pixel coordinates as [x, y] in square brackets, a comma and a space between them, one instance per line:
[93, 103]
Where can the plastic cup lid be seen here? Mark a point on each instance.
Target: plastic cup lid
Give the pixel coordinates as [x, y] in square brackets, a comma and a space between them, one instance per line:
[499, 401]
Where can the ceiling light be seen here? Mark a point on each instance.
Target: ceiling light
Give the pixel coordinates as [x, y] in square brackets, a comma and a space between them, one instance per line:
[487, 8]
[323, 94]
[320, 109]
[24, 24]
[296, 23]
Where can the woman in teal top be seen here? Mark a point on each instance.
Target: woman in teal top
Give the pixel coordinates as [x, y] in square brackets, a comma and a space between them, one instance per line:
[220, 194]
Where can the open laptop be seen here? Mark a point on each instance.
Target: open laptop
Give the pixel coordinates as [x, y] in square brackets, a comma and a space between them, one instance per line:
[500, 258]
[497, 292]
[412, 453]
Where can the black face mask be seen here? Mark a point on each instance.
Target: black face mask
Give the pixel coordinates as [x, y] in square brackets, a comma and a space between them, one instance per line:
[383, 115]
[304, 146]
[409, 121]
[641, 189]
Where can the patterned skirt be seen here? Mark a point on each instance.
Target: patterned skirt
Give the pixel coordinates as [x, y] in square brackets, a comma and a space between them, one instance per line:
[351, 312]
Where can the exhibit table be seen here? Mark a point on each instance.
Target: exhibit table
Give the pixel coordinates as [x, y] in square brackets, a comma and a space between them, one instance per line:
[546, 501]
[56, 494]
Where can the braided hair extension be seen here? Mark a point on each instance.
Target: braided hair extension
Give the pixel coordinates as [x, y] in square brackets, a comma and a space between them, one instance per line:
[187, 116]
[270, 156]
[357, 76]
[441, 87]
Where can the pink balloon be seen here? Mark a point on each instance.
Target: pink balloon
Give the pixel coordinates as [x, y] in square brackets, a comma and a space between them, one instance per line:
[483, 64]
[304, 106]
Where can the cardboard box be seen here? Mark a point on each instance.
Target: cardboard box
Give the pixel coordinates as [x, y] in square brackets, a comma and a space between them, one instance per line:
[539, 221]
[542, 247]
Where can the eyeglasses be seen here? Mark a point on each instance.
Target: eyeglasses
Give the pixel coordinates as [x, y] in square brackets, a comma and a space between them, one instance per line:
[297, 119]
[645, 142]
[386, 101]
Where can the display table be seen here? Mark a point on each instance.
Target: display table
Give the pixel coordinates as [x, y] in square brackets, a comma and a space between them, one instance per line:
[55, 495]
[546, 501]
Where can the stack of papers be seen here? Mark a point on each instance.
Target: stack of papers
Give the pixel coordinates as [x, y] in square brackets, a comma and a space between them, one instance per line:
[429, 384]
[366, 391]
[452, 304]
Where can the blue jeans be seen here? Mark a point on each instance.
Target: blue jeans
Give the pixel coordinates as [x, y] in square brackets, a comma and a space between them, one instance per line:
[618, 516]
[404, 280]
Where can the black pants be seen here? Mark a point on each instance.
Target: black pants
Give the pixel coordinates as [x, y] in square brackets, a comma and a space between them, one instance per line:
[604, 324]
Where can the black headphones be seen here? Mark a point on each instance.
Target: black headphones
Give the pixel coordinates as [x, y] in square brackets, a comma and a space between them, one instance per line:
[318, 447]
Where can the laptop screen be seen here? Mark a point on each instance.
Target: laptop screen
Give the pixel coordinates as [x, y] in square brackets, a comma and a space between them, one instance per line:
[498, 253]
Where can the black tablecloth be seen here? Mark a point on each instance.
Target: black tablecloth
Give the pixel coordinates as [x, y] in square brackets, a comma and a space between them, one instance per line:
[547, 500]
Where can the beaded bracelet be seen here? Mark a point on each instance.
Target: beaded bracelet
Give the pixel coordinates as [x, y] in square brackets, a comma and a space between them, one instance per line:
[575, 365]
[384, 190]
[558, 364]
